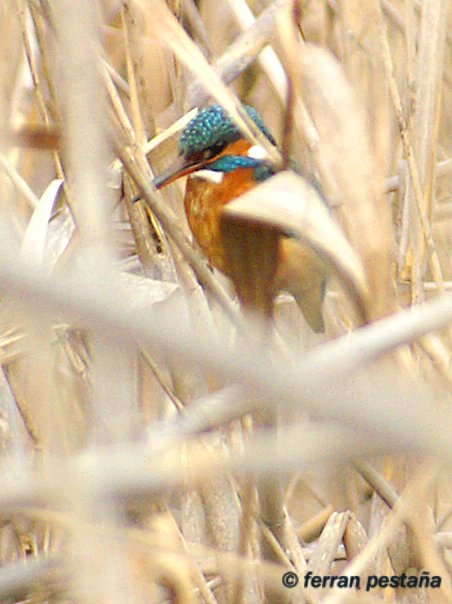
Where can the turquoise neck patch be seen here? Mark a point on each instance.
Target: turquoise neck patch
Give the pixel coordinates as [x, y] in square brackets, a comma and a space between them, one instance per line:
[229, 163]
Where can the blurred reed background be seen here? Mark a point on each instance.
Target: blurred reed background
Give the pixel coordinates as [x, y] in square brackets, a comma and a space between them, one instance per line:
[129, 374]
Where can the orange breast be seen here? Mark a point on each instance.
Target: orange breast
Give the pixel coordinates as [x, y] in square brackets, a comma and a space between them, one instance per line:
[204, 201]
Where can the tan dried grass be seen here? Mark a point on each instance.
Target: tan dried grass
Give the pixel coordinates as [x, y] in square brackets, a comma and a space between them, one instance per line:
[130, 463]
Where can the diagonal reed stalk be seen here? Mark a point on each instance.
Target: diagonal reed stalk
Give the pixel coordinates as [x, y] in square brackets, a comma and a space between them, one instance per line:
[157, 443]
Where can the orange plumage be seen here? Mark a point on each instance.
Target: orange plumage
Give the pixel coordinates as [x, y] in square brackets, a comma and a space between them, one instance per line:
[204, 201]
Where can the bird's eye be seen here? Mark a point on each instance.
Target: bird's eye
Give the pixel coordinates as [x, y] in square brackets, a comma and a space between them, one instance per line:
[213, 150]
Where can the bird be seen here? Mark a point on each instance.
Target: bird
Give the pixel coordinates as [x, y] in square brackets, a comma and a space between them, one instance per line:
[221, 165]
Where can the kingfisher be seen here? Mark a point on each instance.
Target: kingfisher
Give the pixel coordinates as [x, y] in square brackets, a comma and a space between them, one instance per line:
[221, 165]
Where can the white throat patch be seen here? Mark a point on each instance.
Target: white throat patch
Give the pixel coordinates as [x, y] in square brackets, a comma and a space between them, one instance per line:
[257, 152]
[210, 175]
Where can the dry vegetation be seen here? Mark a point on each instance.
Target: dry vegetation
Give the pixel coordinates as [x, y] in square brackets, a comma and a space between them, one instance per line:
[136, 466]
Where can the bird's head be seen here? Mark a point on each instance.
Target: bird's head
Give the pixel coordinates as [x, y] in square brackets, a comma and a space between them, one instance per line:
[211, 141]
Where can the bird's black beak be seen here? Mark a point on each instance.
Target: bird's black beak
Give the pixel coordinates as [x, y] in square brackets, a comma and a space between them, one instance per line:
[180, 167]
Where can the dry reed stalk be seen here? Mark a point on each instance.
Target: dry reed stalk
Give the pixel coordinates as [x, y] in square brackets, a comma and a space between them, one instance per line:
[350, 171]
[409, 155]
[104, 455]
[151, 241]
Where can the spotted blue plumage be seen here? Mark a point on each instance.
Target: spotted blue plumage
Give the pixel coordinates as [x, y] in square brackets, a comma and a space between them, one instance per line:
[212, 127]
